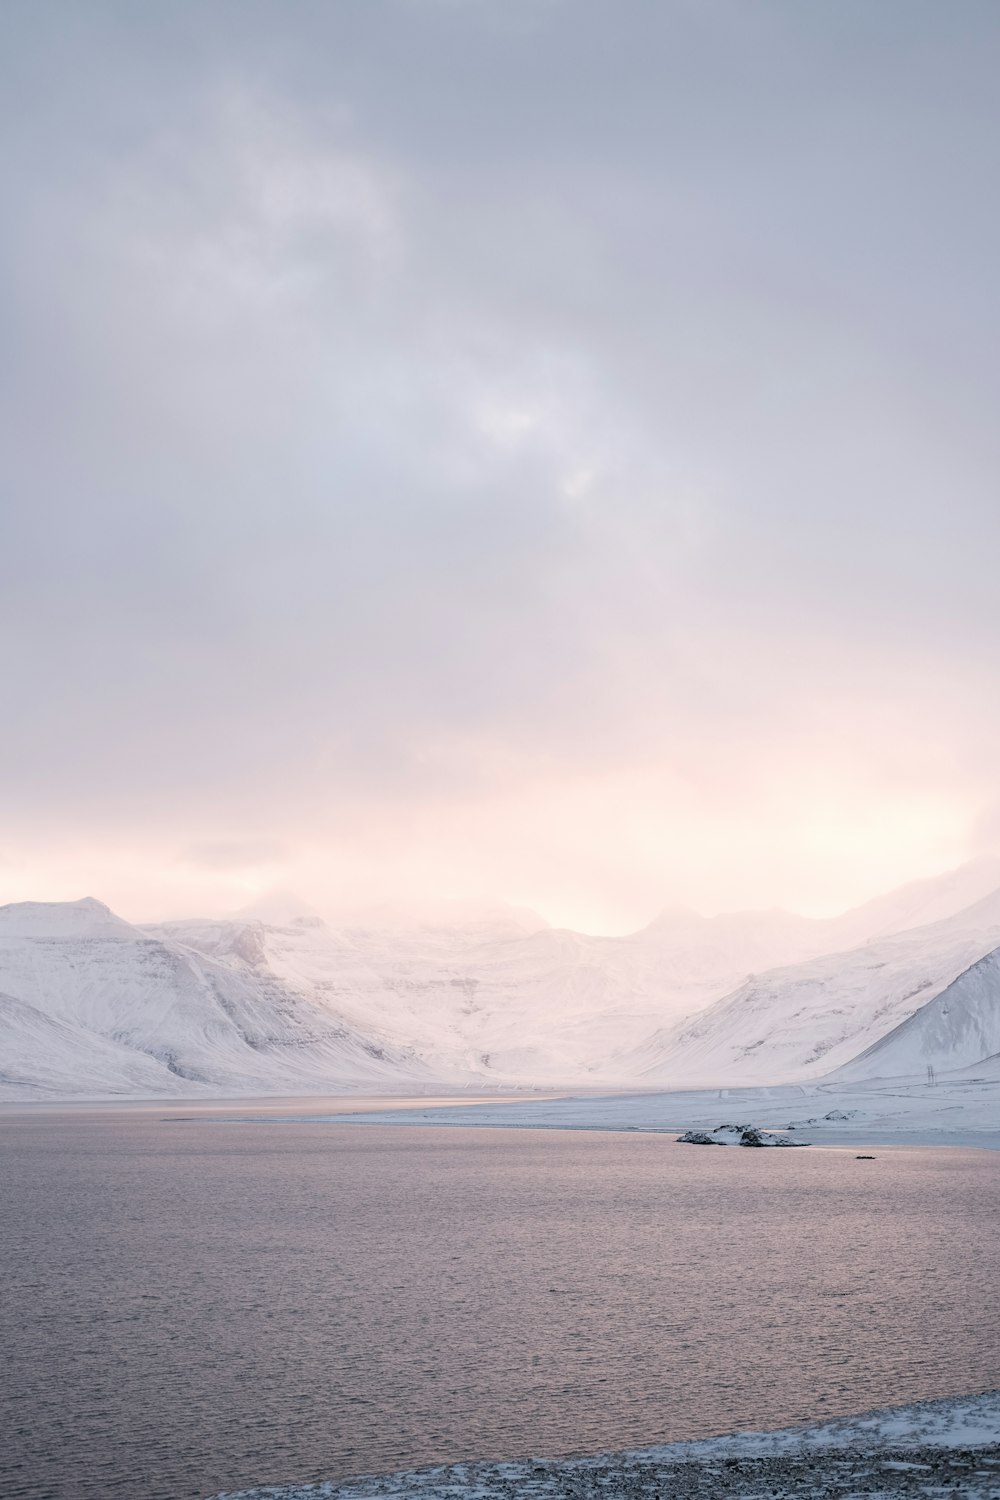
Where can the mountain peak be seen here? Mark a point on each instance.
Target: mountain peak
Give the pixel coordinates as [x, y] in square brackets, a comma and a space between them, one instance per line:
[279, 907]
[919, 903]
[87, 917]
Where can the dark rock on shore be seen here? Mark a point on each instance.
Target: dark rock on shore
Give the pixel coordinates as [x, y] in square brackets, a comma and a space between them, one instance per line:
[736, 1135]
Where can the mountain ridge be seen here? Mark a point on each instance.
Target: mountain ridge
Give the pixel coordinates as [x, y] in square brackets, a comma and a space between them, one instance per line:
[241, 1004]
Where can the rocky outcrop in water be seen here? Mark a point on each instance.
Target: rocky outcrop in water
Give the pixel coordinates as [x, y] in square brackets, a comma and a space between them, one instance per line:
[736, 1135]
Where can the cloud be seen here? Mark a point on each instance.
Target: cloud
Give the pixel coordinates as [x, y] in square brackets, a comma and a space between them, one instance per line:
[985, 834]
[384, 454]
[249, 854]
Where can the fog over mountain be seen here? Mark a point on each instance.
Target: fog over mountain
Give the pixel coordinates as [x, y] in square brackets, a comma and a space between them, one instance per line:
[93, 1006]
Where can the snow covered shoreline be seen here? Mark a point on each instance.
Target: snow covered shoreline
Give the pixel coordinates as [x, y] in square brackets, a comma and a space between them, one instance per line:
[961, 1112]
[958, 1112]
[932, 1447]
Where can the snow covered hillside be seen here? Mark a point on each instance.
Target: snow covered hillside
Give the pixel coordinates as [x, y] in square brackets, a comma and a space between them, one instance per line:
[276, 1001]
[511, 1001]
[957, 1030]
[925, 996]
[90, 1005]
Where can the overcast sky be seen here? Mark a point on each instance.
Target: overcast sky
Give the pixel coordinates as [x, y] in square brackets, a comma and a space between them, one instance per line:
[534, 448]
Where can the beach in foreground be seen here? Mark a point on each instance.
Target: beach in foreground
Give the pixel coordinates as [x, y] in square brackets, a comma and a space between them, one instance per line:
[931, 1448]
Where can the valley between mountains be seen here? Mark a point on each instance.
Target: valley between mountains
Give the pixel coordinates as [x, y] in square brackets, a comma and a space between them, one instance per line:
[280, 1002]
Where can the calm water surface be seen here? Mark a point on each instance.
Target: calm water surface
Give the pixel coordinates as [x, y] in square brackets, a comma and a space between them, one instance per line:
[192, 1306]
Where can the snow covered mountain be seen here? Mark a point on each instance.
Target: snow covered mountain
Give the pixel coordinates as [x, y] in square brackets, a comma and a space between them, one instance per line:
[958, 1030]
[878, 1010]
[508, 1000]
[91, 1005]
[918, 903]
[494, 998]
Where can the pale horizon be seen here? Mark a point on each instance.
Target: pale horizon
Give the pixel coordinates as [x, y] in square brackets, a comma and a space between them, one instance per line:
[270, 903]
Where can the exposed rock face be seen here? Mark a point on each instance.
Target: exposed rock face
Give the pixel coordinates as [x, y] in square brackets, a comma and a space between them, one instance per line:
[736, 1135]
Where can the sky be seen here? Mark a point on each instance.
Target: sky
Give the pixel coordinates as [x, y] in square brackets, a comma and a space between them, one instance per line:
[531, 450]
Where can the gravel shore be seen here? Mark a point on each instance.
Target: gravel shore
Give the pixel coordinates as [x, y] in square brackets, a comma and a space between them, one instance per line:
[968, 1472]
[949, 1448]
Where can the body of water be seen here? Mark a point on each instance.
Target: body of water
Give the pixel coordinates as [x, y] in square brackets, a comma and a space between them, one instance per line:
[190, 1306]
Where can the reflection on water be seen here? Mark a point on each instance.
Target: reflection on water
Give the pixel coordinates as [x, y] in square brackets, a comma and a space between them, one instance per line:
[192, 1306]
